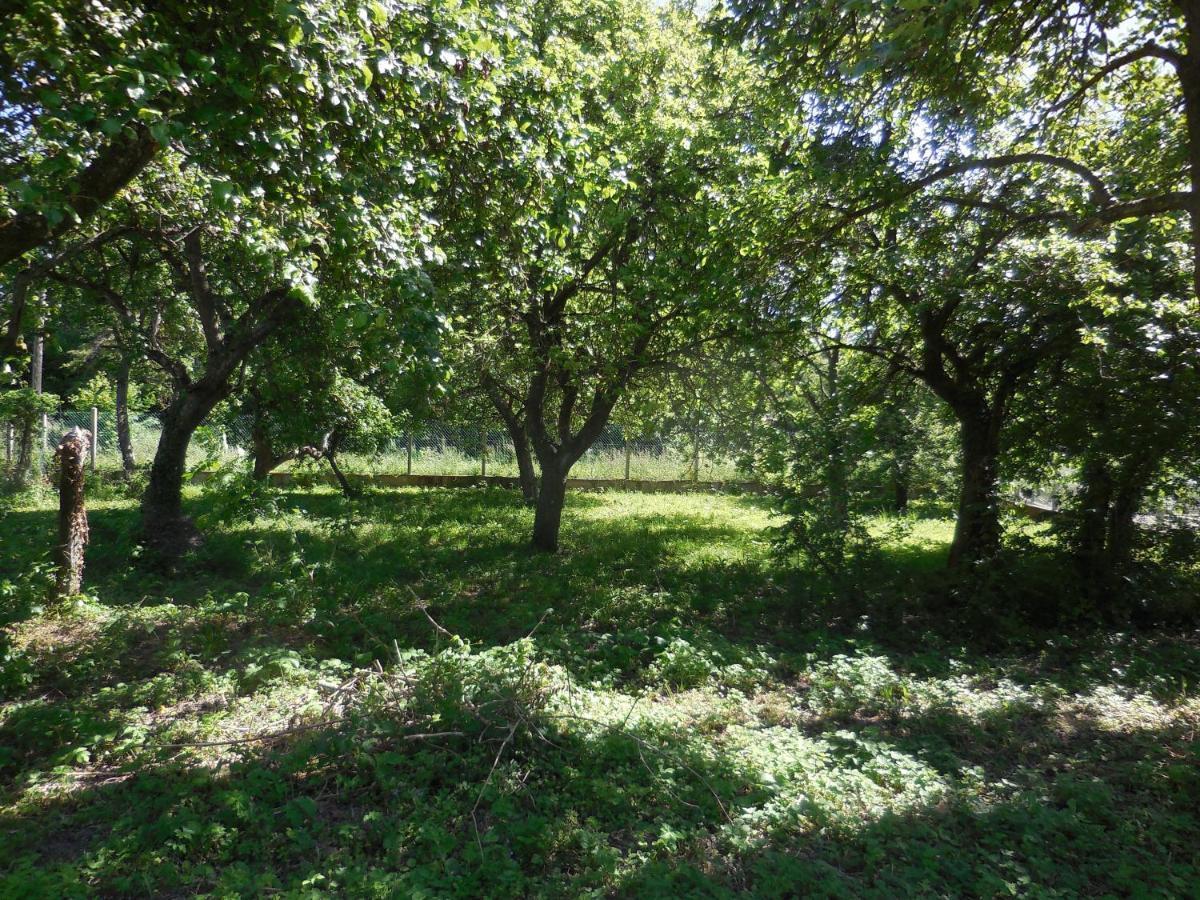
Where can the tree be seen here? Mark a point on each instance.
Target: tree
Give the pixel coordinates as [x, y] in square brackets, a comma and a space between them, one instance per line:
[957, 300]
[215, 250]
[159, 280]
[94, 91]
[1121, 404]
[585, 245]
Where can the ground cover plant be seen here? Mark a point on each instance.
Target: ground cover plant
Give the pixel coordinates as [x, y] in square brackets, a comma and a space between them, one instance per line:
[396, 697]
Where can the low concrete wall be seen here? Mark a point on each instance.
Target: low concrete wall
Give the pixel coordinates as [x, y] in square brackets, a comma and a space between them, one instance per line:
[285, 479]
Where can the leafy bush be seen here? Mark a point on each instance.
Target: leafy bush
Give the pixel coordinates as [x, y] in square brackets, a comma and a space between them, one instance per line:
[860, 684]
[235, 495]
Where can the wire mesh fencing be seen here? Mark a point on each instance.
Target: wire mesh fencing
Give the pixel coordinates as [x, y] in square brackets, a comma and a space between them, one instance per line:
[426, 448]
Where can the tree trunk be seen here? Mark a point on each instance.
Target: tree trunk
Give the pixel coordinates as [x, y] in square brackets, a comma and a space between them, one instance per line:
[164, 526]
[526, 475]
[836, 483]
[1189, 77]
[1095, 503]
[24, 470]
[124, 439]
[72, 515]
[547, 518]
[1122, 528]
[899, 491]
[977, 530]
[264, 457]
[343, 482]
[266, 460]
[24, 473]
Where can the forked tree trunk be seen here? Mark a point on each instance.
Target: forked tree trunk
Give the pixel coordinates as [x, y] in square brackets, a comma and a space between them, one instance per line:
[977, 530]
[72, 515]
[124, 438]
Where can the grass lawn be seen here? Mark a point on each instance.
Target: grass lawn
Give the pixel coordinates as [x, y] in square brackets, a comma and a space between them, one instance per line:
[396, 698]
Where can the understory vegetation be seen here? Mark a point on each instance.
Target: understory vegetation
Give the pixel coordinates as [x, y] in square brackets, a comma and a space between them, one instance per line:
[394, 697]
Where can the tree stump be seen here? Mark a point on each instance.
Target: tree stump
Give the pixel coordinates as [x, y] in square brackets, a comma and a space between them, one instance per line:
[72, 516]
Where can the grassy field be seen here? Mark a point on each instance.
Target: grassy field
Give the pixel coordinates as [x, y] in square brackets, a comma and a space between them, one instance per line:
[396, 698]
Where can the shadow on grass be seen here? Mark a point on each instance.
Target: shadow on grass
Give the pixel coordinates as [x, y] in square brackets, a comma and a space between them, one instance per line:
[641, 810]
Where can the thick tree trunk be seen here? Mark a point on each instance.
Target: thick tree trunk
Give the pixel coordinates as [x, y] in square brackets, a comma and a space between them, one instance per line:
[977, 531]
[1095, 502]
[164, 526]
[124, 439]
[265, 458]
[1122, 528]
[547, 518]
[72, 515]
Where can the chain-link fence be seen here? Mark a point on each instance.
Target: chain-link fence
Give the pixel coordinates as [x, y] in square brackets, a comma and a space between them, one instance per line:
[431, 448]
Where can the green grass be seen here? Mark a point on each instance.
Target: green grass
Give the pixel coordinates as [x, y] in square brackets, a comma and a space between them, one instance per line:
[664, 709]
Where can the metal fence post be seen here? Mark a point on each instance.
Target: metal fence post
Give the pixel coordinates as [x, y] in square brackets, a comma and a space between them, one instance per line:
[408, 463]
[696, 456]
[483, 454]
[628, 454]
[95, 436]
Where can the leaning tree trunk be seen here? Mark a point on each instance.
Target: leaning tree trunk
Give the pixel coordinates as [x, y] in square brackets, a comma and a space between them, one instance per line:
[124, 439]
[547, 517]
[526, 475]
[348, 490]
[977, 530]
[72, 515]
